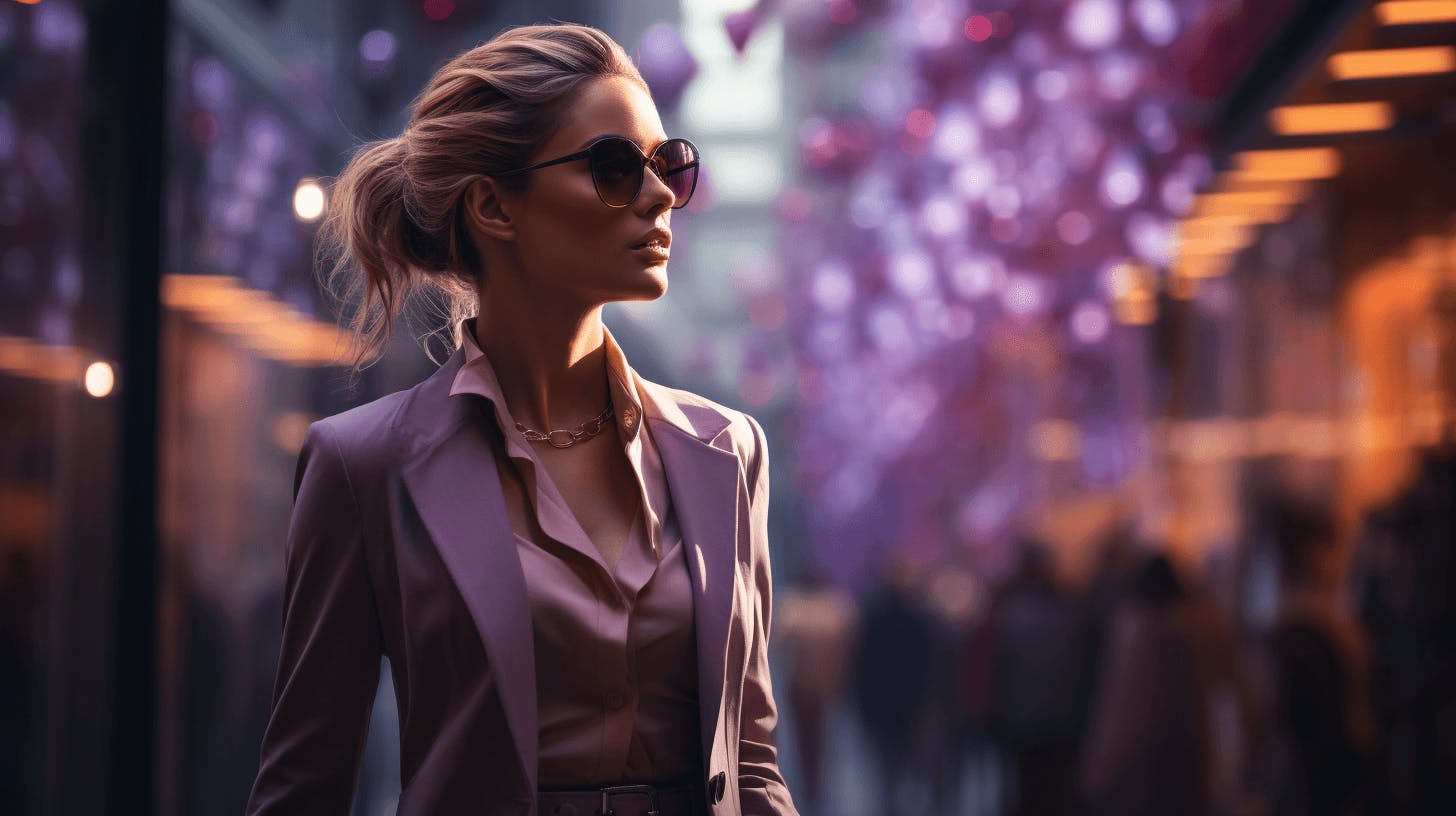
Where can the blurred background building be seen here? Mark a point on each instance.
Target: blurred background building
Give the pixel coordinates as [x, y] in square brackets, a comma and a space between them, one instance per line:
[1107, 351]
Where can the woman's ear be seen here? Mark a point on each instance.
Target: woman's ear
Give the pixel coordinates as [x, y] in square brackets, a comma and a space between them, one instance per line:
[487, 211]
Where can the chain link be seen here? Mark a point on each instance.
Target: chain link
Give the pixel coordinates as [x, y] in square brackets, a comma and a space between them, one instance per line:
[564, 438]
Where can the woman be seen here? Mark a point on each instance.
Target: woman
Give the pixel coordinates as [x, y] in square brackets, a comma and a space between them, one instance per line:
[566, 565]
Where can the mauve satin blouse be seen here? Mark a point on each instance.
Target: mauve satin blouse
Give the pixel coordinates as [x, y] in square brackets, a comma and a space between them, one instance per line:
[616, 653]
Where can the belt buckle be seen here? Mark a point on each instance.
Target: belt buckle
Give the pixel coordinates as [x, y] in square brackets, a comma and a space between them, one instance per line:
[615, 790]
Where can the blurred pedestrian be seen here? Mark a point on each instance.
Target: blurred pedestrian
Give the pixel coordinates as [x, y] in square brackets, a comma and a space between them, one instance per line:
[1036, 685]
[977, 757]
[815, 625]
[892, 666]
[1147, 746]
[1323, 724]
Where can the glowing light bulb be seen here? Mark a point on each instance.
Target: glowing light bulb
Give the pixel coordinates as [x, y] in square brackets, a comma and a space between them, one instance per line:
[308, 200]
[100, 379]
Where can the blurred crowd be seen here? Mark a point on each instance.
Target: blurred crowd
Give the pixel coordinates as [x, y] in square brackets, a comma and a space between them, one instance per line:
[1311, 674]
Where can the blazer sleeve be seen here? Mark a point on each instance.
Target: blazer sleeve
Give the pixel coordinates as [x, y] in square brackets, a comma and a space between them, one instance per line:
[328, 665]
[762, 790]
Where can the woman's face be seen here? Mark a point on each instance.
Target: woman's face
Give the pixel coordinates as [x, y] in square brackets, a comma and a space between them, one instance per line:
[568, 242]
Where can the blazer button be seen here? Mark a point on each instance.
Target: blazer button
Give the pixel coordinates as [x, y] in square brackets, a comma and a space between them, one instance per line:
[718, 785]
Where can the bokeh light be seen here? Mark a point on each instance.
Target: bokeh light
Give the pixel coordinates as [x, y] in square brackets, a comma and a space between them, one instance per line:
[308, 200]
[99, 379]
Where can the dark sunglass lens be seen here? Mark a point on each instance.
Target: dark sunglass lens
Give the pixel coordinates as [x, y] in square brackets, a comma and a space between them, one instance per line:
[616, 167]
[682, 183]
[676, 161]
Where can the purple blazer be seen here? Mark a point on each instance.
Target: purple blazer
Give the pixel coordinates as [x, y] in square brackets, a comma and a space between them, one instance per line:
[400, 545]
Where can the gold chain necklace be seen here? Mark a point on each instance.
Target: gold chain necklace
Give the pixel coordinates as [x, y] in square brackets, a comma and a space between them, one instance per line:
[564, 438]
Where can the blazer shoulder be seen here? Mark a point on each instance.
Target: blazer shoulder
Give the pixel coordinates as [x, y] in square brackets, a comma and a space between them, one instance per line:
[739, 428]
[367, 432]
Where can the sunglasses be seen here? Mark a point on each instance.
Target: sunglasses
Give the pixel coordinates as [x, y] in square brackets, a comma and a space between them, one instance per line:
[618, 168]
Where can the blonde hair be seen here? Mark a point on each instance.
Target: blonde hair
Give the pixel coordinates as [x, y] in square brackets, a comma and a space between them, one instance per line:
[394, 228]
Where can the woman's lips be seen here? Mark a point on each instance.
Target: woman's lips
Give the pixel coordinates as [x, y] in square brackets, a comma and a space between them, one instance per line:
[652, 250]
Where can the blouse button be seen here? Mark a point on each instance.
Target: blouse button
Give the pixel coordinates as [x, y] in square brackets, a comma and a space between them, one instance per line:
[718, 785]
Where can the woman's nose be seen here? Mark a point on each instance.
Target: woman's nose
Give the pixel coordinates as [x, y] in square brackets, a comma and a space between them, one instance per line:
[655, 191]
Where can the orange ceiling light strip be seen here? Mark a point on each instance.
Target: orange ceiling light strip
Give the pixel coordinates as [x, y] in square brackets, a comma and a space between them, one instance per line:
[1206, 224]
[1213, 232]
[1386, 63]
[1342, 117]
[1218, 245]
[1287, 165]
[255, 320]
[1253, 204]
[1416, 12]
[1201, 267]
[25, 357]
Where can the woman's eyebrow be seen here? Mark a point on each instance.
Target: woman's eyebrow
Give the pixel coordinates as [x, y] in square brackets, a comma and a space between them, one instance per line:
[597, 138]
[584, 145]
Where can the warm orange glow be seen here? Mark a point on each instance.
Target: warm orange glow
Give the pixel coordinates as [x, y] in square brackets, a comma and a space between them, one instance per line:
[1228, 244]
[1056, 440]
[251, 314]
[1205, 440]
[1260, 198]
[200, 291]
[256, 320]
[24, 357]
[1195, 238]
[1183, 287]
[288, 430]
[1258, 204]
[1343, 117]
[1416, 12]
[1214, 224]
[1133, 288]
[28, 2]
[1392, 330]
[1131, 280]
[1124, 279]
[1194, 267]
[1287, 165]
[299, 341]
[1206, 224]
[1140, 310]
[1309, 436]
[1393, 62]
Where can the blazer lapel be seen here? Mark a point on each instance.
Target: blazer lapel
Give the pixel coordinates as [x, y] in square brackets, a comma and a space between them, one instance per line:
[456, 490]
[704, 481]
[454, 485]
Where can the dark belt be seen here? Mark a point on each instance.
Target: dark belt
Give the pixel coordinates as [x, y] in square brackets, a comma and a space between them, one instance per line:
[623, 800]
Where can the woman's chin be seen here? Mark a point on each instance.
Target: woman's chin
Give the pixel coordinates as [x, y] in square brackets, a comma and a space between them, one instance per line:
[651, 284]
[641, 283]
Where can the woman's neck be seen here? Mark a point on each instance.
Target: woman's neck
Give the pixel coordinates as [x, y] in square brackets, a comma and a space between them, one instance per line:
[551, 365]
